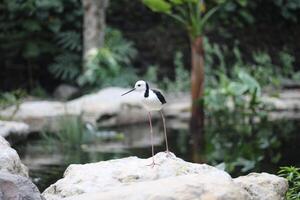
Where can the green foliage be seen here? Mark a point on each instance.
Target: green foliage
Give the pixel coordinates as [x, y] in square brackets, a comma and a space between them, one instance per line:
[181, 80]
[240, 13]
[36, 32]
[151, 74]
[243, 141]
[74, 134]
[287, 63]
[66, 66]
[12, 98]
[289, 9]
[70, 135]
[190, 13]
[238, 128]
[242, 92]
[296, 76]
[39, 91]
[104, 68]
[69, 40]
[234, 107]
[223, 60]
[292, 174]
[158, 5]
[31, 25]
[236, 12]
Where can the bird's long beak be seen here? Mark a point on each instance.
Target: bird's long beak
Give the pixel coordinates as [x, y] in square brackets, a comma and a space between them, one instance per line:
[128, 91]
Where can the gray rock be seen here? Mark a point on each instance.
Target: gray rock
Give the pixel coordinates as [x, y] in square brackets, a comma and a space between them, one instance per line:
[104, 107]
[15, 187]
[263, 186]
[171, 179]
[65, 92]
[185, 187]
[10, 161]
[288, 100]
[39, 115]
[8, 128]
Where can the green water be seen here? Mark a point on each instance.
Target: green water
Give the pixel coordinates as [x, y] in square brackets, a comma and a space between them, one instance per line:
[239, 148]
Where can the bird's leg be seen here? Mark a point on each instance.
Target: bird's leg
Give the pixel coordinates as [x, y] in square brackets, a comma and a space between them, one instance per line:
[151, 131]
[165, 132]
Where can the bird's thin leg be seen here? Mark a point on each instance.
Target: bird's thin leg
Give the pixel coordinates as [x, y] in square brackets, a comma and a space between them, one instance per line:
[151, 131]
[165, 132]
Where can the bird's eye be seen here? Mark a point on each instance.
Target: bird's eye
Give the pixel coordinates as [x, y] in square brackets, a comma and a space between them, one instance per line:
[139, 85]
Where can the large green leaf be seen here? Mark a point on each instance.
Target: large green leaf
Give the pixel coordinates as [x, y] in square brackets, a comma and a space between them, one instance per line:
[207, 16]
[158, 5]
[237, 88]
[177, 2]
[250, 82]
[191, 1]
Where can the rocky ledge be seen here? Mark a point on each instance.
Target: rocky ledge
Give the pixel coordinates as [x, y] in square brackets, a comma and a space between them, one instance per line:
[10, 161]
[8, 128]
[172, 178]
[14, 181]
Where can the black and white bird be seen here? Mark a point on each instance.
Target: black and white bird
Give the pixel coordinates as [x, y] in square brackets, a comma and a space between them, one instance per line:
[152, 100]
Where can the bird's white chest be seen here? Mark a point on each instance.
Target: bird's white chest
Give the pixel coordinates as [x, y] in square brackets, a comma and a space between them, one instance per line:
[151, 103]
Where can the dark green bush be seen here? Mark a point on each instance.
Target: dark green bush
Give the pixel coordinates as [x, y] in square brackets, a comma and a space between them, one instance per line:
[292, 174]
[111, 64]
[35, 33]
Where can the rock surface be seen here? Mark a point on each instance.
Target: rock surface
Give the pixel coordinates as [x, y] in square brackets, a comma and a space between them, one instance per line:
[263, 186]
[172, 178]
[14, 181]
[17, 187]
[105, 107]
[39, 115]
[8, 128]
[10, 161]
[287, 100]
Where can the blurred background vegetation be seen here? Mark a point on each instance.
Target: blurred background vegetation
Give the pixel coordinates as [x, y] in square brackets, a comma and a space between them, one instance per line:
[251, 48]
[41, 43]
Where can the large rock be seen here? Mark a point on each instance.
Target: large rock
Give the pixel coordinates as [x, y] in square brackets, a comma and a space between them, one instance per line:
[263, 186]
[186, 187]
[286, 100]
[10, 161]
[8, 128]
[14, 181]
[13, 187]
[106, 107]
[39, 115]
[172, 178]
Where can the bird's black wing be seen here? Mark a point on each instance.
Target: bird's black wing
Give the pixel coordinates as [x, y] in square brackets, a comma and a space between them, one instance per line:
[160, 96]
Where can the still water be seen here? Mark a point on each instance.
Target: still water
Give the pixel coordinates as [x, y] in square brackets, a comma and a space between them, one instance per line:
[239, 148]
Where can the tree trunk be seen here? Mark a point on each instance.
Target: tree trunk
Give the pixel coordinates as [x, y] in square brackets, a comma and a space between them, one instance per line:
[197, 91]
[93, 25]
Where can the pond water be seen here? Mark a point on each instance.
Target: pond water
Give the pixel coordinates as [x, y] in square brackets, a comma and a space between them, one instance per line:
[237, 148]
